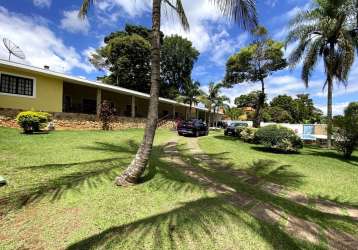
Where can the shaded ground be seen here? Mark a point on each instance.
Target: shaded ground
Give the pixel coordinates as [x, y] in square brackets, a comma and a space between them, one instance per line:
[61, 195]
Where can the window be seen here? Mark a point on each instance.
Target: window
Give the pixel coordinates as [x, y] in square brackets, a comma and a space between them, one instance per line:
[16, 85]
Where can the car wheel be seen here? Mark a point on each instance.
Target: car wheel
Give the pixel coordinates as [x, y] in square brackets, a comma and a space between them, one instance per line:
[180, 134]
[225, 133]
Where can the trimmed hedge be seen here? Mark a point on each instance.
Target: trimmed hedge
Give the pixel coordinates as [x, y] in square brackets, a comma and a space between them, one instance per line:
[279, 138]
[32, 121]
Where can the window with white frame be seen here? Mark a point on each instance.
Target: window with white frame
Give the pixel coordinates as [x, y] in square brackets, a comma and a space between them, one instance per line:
[16, 85]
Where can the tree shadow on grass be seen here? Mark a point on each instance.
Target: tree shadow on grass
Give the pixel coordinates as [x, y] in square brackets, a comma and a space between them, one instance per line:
[281, 175]
[273, 150]
[77, 175]
[193, 225]
[316, 151]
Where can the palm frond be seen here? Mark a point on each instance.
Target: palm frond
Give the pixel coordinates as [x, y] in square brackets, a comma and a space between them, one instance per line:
[179, 10]
[241, 11]
[311, 59]
[86, 4]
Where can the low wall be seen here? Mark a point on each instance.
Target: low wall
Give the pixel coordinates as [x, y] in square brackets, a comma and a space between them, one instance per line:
[76, 121]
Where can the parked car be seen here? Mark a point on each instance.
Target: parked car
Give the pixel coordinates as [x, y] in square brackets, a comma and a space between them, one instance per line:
[193, 127]
[231, 129]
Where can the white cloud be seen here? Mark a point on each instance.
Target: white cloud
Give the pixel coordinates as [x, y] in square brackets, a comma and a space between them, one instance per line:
[42, 3]
[337, 109]
[72, 23]
[40, 45]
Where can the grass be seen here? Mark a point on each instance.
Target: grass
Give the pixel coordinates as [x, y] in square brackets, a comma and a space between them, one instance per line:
[316, 171]
[60, 195]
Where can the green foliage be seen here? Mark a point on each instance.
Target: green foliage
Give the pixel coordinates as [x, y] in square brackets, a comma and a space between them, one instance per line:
[276, 114]
[248, 134]
[255, 62]
[278, 138]
[126, 54]
[249, 100]
[178, 57]
[234, 113]
[346, 130]
[32, 121]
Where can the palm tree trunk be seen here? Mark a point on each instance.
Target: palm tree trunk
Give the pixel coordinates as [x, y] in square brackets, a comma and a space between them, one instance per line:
[190, 107]
[260, 104]
[132, 174]
[329, 112]
[209, 118]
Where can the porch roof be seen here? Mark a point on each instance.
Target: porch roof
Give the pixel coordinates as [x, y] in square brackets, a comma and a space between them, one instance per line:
[81, 81]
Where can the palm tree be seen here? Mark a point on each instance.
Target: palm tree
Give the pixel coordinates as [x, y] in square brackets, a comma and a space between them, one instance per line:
[242, 11]
[326, 31]
[220, 104]
[191, 94]
[209, 99]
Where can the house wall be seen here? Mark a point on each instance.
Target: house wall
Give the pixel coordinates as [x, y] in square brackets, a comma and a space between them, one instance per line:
[48, 93]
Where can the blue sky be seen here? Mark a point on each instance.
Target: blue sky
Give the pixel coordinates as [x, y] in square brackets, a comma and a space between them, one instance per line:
[50, 33]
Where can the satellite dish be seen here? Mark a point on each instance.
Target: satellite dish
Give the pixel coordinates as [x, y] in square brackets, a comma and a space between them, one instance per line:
[13, 49]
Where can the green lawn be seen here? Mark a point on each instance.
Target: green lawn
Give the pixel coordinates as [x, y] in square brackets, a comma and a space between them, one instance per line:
[314, 171]
[61, 195]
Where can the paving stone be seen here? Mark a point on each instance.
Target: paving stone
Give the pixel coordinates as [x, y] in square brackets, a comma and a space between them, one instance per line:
[352, 212]
[341, 240]
[304, 230]
[328, 207]
[297, 197]
[272, 188]
[267, 213]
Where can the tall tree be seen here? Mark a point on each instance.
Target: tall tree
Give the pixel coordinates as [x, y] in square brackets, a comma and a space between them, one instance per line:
[327, 31]
[234, 113]
[178, 58]
[210, 98]
[249, 100]
[126, 55]
[220, 104]
[191, 94]
[254, 63]
[242, 11]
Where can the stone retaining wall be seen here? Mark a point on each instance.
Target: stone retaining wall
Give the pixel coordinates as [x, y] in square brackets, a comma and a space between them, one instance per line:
[76, 121]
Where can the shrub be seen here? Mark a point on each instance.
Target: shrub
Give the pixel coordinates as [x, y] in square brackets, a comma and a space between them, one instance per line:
[238, 130]
[278, 137]
[248, 134]
[32, 121]
[106, 115]
[346, 130]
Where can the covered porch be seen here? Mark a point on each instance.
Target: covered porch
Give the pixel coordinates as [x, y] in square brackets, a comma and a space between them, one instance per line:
[84, 99]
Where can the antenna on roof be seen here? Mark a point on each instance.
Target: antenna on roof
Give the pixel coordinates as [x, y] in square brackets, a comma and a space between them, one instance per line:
[13, 49]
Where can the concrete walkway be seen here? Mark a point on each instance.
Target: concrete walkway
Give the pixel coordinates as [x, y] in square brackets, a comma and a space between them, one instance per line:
[300, 228]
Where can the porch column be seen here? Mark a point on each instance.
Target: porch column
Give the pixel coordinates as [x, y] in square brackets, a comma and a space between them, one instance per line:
[133, 107]
[173, 111]
[99, 101]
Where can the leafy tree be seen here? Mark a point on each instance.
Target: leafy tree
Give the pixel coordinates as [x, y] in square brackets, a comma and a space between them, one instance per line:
[191, 94]
[326, 31]
[209, 99]
[178, 58]
[249, 100]
[234, 113]
[285, 103]
[346, 130]
[127, 57]
[243, 11]
[276, 114]
[306, 112]
[254, 63]
[220, 103]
